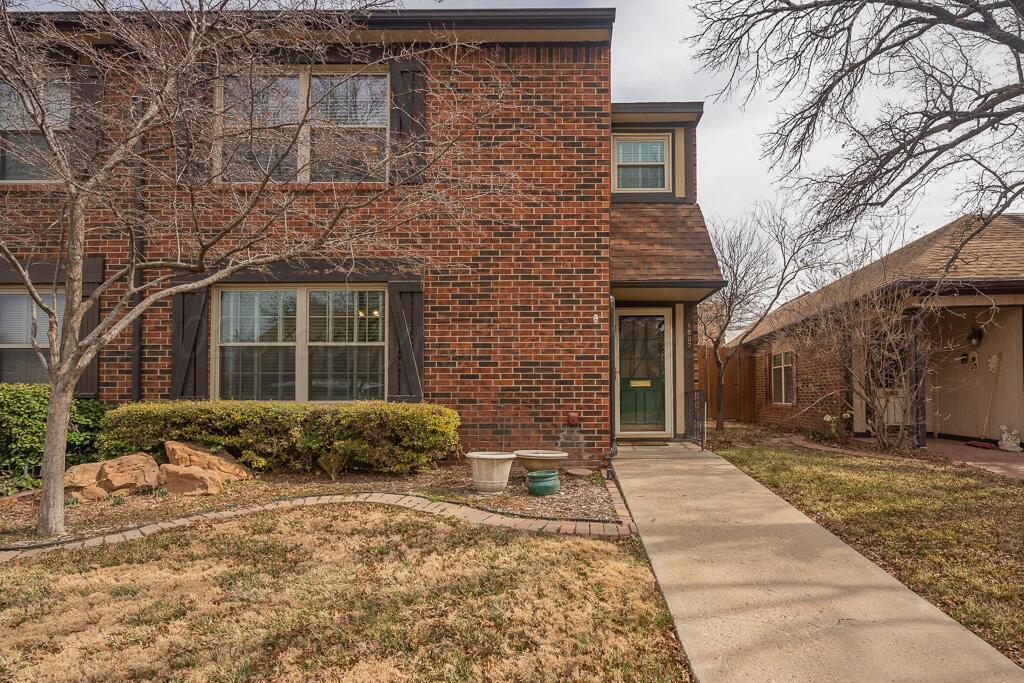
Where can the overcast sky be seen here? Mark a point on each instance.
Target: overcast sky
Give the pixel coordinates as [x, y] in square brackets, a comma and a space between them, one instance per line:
[651, 62]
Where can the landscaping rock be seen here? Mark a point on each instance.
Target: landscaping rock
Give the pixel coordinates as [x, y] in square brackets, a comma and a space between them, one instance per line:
[82, 475]
[93, 492]
[185, 454]
[190, 481]
[80, 482]
[129, 473]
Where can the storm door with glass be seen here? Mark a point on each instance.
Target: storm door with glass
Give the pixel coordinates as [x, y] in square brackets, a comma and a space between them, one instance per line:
[644, 377]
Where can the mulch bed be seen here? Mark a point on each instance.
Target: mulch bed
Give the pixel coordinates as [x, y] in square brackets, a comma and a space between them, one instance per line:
[581, 498]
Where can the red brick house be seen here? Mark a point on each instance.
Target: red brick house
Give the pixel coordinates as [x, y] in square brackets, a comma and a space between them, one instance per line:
[969, 344]
[572, 331]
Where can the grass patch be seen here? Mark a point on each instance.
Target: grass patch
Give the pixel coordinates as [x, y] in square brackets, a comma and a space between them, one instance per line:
[954, 535]
[159, 612]
[341, 593]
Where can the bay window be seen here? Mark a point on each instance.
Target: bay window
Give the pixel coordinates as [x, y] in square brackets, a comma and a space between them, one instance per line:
[24, 153]
[310, 125]
[315, 343]
[18, 359]
[641, 163]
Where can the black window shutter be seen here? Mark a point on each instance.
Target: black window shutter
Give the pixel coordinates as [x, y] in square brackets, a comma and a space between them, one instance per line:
[87, 119]
[190, 345]
[405, 342]
[89, 383]
[408, 119]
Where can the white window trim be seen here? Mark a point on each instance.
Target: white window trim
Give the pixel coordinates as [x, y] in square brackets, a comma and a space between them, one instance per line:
[642, 137]
[302, 153]
[301, 342]
[783, 365]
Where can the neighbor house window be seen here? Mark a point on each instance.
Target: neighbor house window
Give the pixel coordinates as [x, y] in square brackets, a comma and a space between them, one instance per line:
[782, 377]
[344, 136]
[24, 153]
[315, 343]
[641, 163]
[19, 361]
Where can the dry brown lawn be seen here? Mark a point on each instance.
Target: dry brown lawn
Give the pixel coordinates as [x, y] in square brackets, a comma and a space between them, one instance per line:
[338, 593]
[580, 498]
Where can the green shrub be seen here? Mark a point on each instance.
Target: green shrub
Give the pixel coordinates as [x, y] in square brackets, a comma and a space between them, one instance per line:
[23, 431]
[376, 435]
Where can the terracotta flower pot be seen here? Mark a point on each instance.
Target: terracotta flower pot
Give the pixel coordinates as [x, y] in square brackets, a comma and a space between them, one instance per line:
[536, 461]
[490, 471]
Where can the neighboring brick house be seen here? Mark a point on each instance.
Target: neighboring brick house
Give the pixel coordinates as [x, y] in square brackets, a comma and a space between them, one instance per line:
[971, 340]
[572, 331]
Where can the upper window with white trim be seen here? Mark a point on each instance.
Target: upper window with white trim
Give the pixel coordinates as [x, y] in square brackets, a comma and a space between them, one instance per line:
[312, 124]
[24, 152]
[641, 163]
[19, 361]
[299, 343]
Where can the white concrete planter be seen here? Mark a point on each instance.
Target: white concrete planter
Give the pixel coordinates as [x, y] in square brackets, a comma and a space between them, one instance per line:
[534, 461]
[490, 470]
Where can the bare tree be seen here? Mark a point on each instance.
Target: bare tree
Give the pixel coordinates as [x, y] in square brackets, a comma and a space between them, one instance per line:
[763, 257]
[917, 91]
[880, 327]
[183, 141]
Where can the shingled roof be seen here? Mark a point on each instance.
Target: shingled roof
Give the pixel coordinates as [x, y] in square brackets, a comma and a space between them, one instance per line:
[661, 242]
[993, 258]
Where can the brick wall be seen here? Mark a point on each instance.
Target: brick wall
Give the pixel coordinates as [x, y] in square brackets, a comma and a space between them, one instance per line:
[516, 331]
[819, 384]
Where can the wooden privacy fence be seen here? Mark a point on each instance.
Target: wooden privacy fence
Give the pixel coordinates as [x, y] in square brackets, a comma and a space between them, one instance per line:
[738, 385]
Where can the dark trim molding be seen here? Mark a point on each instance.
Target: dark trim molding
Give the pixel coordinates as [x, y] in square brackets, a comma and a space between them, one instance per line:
[44, 272]
[429, 19]
[694, 284]
[649, 198]
[325, 270]
[693, 107]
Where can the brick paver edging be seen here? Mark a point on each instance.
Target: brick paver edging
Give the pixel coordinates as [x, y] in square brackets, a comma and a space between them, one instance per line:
[463, 512]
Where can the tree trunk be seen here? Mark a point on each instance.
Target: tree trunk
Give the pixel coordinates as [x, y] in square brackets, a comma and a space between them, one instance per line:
[719, 392]
[58, 417]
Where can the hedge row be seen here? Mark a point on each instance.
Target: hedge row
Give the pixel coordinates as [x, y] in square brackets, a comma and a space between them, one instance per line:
[377, 435]
[23, 430]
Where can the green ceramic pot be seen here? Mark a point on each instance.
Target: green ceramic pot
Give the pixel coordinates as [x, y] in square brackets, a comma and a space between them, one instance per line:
[543, 483]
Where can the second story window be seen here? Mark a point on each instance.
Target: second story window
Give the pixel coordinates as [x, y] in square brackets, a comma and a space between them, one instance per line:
[305, 126]
[261, 134]
[349, 121]
[641, 163]
[24, 153]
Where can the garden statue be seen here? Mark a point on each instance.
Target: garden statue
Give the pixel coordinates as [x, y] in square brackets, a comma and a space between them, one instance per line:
[1009, 441]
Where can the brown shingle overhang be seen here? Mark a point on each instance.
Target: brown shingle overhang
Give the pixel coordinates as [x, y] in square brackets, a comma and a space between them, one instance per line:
[991, 262]
[662, 245]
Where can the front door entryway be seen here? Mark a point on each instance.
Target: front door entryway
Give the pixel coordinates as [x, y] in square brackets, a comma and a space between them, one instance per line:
[644, 372]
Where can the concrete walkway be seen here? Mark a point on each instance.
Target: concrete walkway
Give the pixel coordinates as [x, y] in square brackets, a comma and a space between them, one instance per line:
[759, 592]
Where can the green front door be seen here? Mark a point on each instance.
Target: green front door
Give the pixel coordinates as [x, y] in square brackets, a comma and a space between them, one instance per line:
[641, 373]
